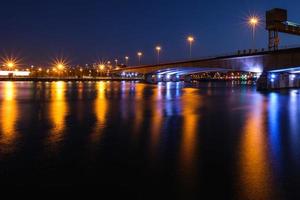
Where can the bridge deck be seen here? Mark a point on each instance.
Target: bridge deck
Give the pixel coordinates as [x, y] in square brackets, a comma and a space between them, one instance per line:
[254, 62]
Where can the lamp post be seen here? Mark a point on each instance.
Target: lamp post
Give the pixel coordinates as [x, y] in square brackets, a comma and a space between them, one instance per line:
[126, 60]
[253, 23]
[158, 49]
[10, 64]
[140, 54]
[60, 67]
[191, 40]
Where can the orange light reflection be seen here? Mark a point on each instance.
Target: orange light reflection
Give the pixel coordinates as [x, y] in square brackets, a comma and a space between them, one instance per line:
[58, 111]
[9, 116]
[254, 161]
[101, 109]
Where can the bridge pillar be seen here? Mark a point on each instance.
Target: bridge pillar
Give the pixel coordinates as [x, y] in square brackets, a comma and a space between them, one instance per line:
[274, 81]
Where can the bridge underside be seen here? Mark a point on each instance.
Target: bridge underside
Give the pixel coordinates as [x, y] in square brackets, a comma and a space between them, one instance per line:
[182, 71]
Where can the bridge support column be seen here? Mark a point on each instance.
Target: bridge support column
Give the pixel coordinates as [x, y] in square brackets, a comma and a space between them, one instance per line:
[275, 81]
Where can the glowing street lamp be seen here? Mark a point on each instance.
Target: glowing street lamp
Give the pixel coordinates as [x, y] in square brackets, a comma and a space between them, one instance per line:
[190, 40]
[140, 54]
[10, 64]
[126, 60]
[101, 67]
[116, 61]
[253, 22]
[158, 49]
[60, 66]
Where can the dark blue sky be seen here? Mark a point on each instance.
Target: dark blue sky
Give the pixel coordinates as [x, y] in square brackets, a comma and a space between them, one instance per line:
[85, 30]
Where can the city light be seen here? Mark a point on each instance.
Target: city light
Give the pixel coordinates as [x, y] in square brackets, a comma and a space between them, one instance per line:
[292, 77]
[158, 49]
[60, 63]
[126, 60]
[60, 66]
[253, 22]
[190, 40]
[140, 54]
[14, 73]
[101, 67]
[10, 62]
[273, 76]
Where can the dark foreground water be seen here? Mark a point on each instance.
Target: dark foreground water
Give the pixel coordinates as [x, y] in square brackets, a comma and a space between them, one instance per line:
[171, 141]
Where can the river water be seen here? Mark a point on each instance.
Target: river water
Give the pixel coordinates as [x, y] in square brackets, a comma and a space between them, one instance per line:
[171, 140]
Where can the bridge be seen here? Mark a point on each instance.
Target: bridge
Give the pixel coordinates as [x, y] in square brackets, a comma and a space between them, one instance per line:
[283, 64]
[278, 68]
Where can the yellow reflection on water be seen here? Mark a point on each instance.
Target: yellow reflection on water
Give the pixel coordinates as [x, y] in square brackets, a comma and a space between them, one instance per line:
[58, 111]
[101, 109]
[9, 117]
[139, 106]
[190, 113]
[255, 170]
[156, 119]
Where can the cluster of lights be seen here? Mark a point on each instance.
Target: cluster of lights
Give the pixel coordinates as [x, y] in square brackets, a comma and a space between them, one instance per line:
[129, 75]
[61, 64]
[190, 39]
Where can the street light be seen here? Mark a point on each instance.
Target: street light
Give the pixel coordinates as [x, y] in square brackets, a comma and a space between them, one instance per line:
[10, 64]
[158, 49]
[140, 54]
[101, 67]
[253, 22]
[190, 40]
[116, 61]
[60, 66]
[126, 60]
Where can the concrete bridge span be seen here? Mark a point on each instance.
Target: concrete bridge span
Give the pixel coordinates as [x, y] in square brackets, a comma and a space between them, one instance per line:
[285, 60]
[278, 69]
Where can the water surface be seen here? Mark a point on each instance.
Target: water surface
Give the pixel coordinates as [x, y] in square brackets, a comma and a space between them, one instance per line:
[172, 140]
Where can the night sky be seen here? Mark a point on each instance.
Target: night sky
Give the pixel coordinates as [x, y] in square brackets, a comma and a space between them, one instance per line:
[88, 30]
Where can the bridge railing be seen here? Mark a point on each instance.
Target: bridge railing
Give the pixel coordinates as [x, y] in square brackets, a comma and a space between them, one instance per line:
[244, 52]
